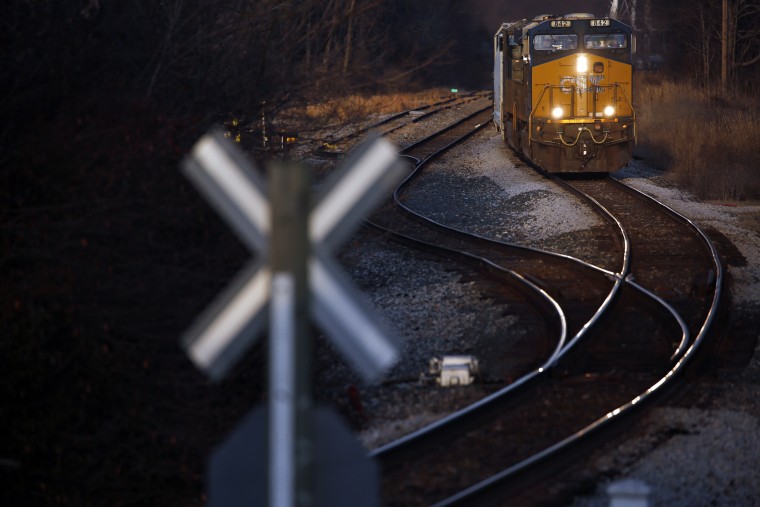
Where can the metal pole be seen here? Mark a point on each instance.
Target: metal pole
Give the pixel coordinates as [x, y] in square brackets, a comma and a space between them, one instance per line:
[263, 125]
[282, 407]
[290, 439]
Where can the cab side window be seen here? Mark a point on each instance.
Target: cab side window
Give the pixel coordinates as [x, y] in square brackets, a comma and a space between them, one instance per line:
[516, 67]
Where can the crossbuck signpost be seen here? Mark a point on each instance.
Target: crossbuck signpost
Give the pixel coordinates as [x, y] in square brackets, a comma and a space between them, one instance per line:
[297, 278]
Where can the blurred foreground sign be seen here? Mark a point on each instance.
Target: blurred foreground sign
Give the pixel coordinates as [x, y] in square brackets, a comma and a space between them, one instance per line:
[309, 458]
[230, 325]
[343, 477]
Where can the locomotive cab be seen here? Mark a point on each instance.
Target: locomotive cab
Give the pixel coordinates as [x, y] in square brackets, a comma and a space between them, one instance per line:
[562, 88]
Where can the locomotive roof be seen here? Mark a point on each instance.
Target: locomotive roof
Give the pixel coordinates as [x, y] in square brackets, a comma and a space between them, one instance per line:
[579, 22]
[572, 15]
[579, 15]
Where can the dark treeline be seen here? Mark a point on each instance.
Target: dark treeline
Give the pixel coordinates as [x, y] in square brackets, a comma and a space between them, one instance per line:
[108, 253]
[195, 59]
[689, 36]
[91, 83]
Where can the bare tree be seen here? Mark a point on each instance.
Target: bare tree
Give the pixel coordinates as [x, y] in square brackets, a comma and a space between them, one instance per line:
[349, 35]
[725, 36]
[701, 30]
[740, 37]
[746, 38]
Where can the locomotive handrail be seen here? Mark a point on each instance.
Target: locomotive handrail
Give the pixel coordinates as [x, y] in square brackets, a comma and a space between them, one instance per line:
[633, 113]
[580, 131]
[533, 113]
[616, 86]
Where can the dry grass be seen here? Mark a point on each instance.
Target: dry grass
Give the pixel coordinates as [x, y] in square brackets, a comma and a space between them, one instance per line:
[705, 141]
[359, 106]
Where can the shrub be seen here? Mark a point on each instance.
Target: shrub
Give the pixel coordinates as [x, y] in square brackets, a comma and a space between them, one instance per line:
[705, 141]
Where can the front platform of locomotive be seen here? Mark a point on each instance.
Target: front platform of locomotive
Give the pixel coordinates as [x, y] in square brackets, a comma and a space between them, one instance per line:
[581, 112]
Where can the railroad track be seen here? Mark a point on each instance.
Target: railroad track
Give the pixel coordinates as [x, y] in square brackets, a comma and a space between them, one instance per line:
[557, 275]
[672, 257]
[673, 264]
[632, 325]
[337, 146]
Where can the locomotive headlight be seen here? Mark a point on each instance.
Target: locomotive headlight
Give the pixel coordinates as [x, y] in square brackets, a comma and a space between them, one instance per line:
[581, 65]
[557, 112]
[609, 111]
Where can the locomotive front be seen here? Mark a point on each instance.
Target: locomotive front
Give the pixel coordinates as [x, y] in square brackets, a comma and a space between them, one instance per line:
[564, 89]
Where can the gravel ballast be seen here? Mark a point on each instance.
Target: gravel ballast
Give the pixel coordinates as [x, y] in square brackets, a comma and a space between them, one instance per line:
[700, 449]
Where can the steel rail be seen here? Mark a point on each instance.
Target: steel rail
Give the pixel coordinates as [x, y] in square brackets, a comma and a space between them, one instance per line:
[477, 491]
[621, 278]
[618, 280]
[431, 109]
[482, 261]
[448, 128]
[684, 328]
[719, 274]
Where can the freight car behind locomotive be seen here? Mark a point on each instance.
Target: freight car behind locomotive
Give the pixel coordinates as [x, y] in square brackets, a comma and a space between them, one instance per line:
[562, 92]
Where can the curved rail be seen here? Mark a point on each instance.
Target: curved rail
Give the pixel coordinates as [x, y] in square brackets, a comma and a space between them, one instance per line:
[684, 351]
[454, 418]
[683, 355]
[718, 285]
[624, 276]
[417, 114]
[548, 299]
[618, 277]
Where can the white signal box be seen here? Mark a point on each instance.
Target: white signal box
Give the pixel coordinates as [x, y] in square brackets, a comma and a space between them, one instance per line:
[452, 371]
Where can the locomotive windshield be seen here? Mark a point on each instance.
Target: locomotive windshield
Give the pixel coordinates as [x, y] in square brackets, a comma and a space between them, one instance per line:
[555, 42]
[606, 41]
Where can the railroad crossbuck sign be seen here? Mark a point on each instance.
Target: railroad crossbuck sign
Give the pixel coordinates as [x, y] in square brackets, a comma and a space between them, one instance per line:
[232, 323]
[310, 454]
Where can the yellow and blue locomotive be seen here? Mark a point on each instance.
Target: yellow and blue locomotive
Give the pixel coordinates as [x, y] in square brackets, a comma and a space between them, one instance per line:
[562, 91]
